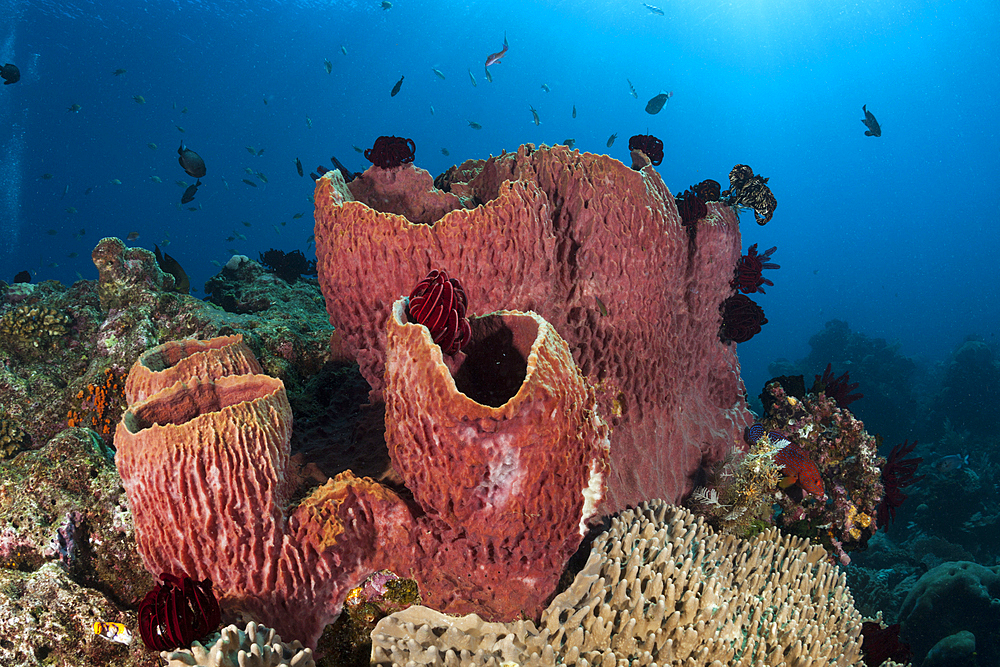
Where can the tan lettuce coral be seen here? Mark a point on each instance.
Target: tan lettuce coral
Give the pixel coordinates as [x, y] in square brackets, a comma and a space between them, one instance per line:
[660, 587]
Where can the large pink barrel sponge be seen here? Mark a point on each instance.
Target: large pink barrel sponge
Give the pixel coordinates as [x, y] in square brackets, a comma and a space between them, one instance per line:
[595, 248]
[504, 452]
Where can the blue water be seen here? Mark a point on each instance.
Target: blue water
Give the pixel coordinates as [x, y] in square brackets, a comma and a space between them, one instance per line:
[896, 235]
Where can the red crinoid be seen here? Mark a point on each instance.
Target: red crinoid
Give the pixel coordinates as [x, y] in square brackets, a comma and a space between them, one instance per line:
[879, 644]
[177, 612]
[439, 303]
[389, 152]
[898, 472]
[748, 276]
[690, 207]
[648, 144]
[741, 319]
[708, 190]
[839, 389]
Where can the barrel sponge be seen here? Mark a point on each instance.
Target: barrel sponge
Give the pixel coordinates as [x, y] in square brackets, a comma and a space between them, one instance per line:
[659, 587]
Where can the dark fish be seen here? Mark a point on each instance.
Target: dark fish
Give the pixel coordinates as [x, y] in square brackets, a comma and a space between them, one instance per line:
[46, 177]
[444, 151]
[190, 192]
[132, 236]
[534, 115]
[474, 125]
[574, 111]
[632, 89]
[654, 105]
[438, 72]
[249, 182]
[298, 166]
[191, 161]
[386, 4]
[869, 120]
[471, 76]
[489, 77]
[328, 65]
[395, 89]
[297, 216]
[139, 99]
[10, 74]
[569, 142]
[119, 72]
[359, 150]
[170, 265]
[74, 108]
[654, 10]
[261, 176]
[22, 277]
[52, 232]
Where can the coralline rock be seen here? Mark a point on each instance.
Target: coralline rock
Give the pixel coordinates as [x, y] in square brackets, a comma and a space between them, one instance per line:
[595, 248]
[504, 453]
[256, 646]
[127, 276]
[660, 587]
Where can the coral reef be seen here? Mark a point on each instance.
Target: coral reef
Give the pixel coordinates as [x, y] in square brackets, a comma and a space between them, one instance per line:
[611, 267]
[32, 329]
[849, 465]
[951, 598]
[288, 266]
[12, 437]
[659, 587]
[255, 646]
[970, 390]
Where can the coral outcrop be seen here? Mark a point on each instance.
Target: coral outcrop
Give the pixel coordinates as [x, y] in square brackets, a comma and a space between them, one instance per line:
[255, 646]
[595, 248]
[659, 587]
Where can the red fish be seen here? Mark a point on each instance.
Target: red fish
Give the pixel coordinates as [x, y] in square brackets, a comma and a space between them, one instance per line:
[495, 57]
[798, 467]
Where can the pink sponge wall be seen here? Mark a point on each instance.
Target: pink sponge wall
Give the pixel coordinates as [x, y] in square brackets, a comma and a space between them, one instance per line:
[594, 247]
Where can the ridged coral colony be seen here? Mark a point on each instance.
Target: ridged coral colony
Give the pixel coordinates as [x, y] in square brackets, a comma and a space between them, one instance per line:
[594, 247]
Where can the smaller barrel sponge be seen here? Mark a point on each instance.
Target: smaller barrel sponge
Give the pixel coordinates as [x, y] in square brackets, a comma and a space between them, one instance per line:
[660, 587]
[13, 439]
[257, 646]
[30, 328]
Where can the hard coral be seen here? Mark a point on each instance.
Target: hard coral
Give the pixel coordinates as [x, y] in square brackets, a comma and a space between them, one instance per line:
[13, 439]
[288, 265]
[177, 612]
[34, 330]
[593, 247]
[389, 152]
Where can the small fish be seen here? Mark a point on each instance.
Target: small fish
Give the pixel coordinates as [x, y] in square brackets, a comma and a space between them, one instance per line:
[569, 142]
[70, 210]
[473, 78]
[489, 77]
[181, 184]
[152, 146]
[194, 208]
[180, 129]
[190, 192]
[343, 49]
[261, 176]
[601, 307]
[46, 177]
[546, 88]
[132, 236]
[239, 237]
[494, 58]
[245, 223]
[276, 230]
[82, 232]
[432, 109]
[225, 183]
[115, 181]
[474, 125]
[311, 240]
[74, 108]
[88, 191]
[156, 179]
[265, 100]
[395, 89]
[534, 115]
[139, 99]
[190, 161]
[654, 105]
[248, 170]
[360, 150]
[119, 72]
[10, 74]
[52, 232]
[73, 254]
[297, 216]
[65, 192]
[438, 72]
[249, 182]
[217, 263]
[874, 130]
[574, 111]
[947, 464]
[251, 150]
[328, 66]
[309, 122]
[386, 4]
[444, 151]
[184, 110]
[232, 251]
[632, 89]
[652, 9]
[298, 166]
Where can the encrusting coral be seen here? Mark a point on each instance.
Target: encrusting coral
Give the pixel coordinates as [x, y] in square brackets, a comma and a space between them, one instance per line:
[594, 247]
[31, 328]
[256, 646]
[659, 587]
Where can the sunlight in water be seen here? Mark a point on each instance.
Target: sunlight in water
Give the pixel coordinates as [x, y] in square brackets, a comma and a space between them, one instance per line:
[11, 154]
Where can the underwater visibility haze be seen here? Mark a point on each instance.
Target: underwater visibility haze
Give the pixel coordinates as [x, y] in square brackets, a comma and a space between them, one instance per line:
[874, 124]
